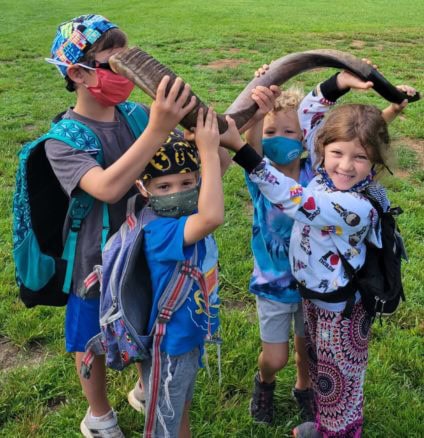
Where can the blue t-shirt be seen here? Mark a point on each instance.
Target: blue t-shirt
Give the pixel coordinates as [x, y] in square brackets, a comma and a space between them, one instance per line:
[271, 277]
[164, 247]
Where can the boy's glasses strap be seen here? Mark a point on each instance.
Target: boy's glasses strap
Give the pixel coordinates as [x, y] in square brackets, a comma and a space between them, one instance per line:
[104, 65]
[90, 65]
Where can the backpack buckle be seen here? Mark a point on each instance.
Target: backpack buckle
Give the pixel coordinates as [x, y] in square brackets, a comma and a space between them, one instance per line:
[78, 209]
[76, 224]
[165, 315]
[187, 269]
[396, 211]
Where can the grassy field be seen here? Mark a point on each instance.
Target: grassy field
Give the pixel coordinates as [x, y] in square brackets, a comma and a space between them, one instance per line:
[215, 46]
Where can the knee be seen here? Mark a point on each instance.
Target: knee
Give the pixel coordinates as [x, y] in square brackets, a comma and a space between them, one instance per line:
[275, 361]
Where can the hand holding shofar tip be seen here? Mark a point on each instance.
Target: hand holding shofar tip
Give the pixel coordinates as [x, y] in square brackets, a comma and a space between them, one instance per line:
[146, 72]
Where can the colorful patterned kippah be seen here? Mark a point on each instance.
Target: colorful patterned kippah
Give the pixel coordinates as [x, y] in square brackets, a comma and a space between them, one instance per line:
[175, 156]
[75, 37]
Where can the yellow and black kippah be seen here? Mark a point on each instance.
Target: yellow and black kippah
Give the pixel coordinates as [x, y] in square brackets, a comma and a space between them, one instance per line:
[176, 155]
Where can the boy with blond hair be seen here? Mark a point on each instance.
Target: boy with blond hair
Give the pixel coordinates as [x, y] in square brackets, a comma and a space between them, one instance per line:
[279, 139]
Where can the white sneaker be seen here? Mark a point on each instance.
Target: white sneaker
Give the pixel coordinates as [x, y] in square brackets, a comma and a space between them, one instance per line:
[102, 427]
[137, 398]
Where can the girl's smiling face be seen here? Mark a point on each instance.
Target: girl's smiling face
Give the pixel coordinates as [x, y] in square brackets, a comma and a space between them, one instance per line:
[346, 163]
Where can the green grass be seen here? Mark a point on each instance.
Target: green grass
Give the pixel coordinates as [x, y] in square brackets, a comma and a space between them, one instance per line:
[43, 398]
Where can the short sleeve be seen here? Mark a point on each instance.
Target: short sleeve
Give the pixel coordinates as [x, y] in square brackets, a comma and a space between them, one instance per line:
[164, 240]
[68, 164]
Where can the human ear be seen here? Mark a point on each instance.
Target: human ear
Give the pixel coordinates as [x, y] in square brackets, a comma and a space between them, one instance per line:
[141, 188]
[76, 73]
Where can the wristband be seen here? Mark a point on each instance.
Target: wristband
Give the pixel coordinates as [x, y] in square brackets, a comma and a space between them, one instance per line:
[330, 91]
[247, 158]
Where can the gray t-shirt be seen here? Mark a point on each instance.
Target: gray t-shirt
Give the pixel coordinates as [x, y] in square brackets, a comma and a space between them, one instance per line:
[69, 166]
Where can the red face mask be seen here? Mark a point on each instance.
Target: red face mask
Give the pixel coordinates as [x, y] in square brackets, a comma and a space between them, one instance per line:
[111, 88]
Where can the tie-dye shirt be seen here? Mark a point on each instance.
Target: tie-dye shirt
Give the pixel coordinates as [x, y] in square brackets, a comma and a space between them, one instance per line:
[271, 277]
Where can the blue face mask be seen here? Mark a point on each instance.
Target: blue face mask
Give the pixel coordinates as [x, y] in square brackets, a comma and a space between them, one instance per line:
[282, 150]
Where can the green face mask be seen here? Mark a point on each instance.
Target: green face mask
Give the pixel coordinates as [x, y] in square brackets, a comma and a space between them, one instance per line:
[175, 205]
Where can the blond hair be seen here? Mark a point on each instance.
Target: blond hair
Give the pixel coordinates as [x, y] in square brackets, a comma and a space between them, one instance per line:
[349, 122]
[289, 99]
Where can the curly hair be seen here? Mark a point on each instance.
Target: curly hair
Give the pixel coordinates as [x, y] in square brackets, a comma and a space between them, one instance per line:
[356, 121]
[289, 99]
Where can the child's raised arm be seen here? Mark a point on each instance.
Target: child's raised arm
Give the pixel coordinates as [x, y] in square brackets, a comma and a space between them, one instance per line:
[110, 184]
[211, 197]
[394, 109]
[308, 205]
[313, 107]
[264, 98]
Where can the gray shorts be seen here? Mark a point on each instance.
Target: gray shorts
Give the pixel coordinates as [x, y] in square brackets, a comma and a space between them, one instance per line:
[275, 320]
[178, 377]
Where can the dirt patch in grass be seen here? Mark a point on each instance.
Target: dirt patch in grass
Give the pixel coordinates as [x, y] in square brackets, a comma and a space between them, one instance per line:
[56, 402]
[12, 356]
[230, 50]
[249, 207]
[234, 304]
[30, 128]
[357, 44]
[379, 47]
[220, 64]
[417, 146]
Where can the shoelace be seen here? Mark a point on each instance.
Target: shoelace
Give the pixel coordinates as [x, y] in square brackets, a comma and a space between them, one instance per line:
[265, 398]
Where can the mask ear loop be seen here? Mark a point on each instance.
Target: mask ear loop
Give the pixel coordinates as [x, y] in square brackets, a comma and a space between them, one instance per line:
[199, 180]
[139, 184]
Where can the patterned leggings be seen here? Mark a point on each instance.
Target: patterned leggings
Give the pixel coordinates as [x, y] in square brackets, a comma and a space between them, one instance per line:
[338, 356]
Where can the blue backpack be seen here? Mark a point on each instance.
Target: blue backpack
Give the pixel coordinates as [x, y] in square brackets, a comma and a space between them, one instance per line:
[126, 302]
[43, 264]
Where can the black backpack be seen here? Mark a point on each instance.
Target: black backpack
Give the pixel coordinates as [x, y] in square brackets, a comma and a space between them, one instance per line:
[379, 280]
[43, 262]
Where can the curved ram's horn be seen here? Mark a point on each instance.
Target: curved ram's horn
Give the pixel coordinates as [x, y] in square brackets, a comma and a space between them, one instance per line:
[146, 73]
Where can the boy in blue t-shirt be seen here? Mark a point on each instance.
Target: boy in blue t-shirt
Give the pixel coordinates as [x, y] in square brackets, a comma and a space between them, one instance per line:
[187, 212]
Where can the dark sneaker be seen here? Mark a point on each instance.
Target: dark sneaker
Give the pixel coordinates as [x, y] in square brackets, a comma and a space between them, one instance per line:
[262, 402]
[306, 403]
[306, 430]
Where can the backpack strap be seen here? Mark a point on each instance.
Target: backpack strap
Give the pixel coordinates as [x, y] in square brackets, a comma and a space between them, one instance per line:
[81, 137]
[82, 203]
[344, 293]
[175, 294]
[135, 116]
[347, 292]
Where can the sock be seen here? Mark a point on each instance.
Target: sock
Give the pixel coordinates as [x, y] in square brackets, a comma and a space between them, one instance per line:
[104, 417]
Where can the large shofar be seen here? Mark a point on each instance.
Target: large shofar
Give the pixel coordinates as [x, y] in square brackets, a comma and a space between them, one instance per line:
[146, 72]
